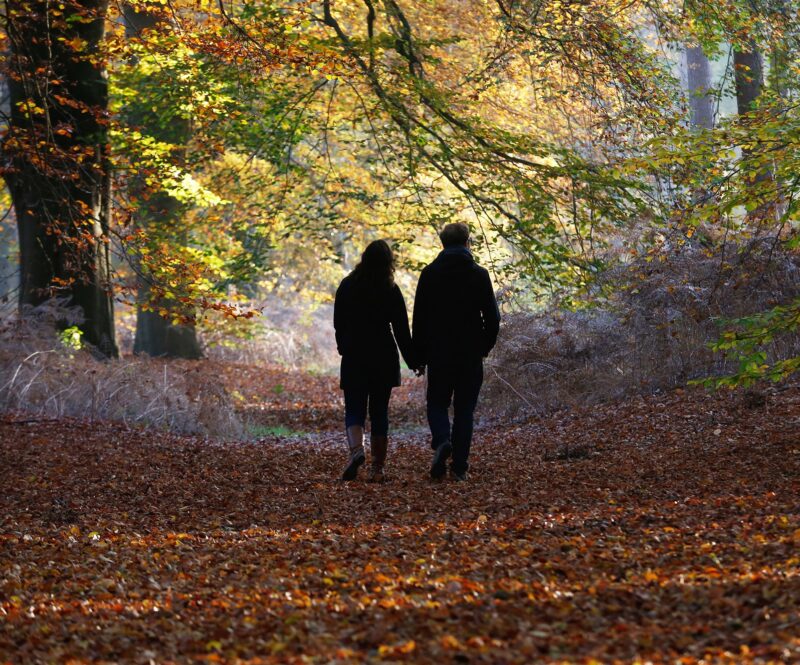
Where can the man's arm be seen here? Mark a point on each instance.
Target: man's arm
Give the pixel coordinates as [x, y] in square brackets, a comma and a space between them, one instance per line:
[490, 313]
[419, 321]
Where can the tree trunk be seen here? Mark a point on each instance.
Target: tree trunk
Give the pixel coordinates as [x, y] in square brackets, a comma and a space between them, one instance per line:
[57, 166]
[157, 335]
[749, 78]
[698, 78]
[9, 265]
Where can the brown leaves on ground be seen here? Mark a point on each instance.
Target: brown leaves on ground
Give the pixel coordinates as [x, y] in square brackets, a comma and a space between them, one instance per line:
[665, 529]
[281, 399]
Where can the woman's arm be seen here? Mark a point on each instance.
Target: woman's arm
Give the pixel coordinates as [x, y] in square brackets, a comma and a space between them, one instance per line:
[402, 333]
[339, 318]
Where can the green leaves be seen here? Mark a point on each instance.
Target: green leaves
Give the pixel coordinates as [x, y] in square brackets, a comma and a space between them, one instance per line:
[747, 340]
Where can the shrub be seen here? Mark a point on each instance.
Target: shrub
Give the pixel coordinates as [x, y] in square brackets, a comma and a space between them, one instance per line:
[49, 375]
[646, 327]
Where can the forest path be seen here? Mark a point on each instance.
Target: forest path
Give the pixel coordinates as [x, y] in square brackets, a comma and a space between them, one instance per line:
[670, 530]
[284, 401]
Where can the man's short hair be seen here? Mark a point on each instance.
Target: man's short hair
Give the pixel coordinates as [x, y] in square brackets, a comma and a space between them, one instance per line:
[454, 234]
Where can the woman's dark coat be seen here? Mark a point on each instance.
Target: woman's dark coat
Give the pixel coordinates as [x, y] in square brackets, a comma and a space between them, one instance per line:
[365, 316]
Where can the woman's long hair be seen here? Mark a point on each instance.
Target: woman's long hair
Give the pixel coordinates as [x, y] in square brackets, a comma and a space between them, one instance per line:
[376, 268]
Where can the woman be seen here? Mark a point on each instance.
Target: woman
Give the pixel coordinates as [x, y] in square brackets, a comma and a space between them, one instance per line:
[368, 309]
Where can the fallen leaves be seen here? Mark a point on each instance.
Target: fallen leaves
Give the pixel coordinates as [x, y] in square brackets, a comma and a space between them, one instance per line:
[665, 543]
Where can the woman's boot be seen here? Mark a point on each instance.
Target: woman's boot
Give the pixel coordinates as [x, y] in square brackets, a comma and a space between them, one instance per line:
[355, 442]
[378, 446]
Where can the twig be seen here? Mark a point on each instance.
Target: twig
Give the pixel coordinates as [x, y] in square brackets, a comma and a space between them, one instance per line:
[516, 392]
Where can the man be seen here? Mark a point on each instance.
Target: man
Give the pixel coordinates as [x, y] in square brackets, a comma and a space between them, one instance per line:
[455, 325]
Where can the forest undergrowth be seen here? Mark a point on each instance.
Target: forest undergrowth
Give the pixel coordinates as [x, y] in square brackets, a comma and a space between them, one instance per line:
[646, 328]
[658, 529]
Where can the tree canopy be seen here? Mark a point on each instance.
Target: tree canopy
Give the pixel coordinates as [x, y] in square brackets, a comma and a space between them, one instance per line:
[254, 146]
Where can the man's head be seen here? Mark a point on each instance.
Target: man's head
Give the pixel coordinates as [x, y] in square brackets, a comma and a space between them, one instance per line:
[455, 235]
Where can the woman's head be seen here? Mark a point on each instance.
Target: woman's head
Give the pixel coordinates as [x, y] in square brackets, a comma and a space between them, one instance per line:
[377, 264]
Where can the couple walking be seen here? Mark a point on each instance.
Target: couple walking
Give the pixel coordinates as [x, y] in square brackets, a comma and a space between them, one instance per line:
[456, 321]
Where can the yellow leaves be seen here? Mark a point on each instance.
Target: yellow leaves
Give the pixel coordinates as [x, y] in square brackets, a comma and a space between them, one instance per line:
[213, 645]
[397, 650]
[651, 576]
[76, 44]
[30, 107]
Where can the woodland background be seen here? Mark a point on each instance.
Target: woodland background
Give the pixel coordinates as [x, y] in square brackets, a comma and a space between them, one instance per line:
[195, 180]
[186, 183]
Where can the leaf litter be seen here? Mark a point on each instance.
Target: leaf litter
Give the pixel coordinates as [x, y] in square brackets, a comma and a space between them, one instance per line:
[672, 536]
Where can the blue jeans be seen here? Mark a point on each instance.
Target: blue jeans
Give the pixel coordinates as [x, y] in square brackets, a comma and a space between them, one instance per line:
[458, 381]
[358, 400]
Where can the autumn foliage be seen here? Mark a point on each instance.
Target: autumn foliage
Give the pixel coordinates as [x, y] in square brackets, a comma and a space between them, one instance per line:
[214, 169]
[657, 530]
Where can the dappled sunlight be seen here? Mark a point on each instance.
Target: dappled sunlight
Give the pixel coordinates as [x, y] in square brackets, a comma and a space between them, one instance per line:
[290, 590]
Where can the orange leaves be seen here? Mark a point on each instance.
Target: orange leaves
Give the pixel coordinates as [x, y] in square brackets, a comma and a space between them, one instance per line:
[75, 44]
[256, 553]
[450, 642]
[397, 650]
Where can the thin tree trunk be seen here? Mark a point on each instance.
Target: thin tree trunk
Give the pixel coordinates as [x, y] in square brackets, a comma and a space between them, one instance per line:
[9, 265]
[157, 335]
[698, 77]
[701, 116]
[9, 269]
[749, 78]
[57, 159]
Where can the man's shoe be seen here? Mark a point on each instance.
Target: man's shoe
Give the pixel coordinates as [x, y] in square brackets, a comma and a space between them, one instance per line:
[459, 476]
[439, 465]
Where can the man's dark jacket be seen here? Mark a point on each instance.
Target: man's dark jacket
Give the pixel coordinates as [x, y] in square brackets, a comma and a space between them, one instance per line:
[455, 311]
[368, 319]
